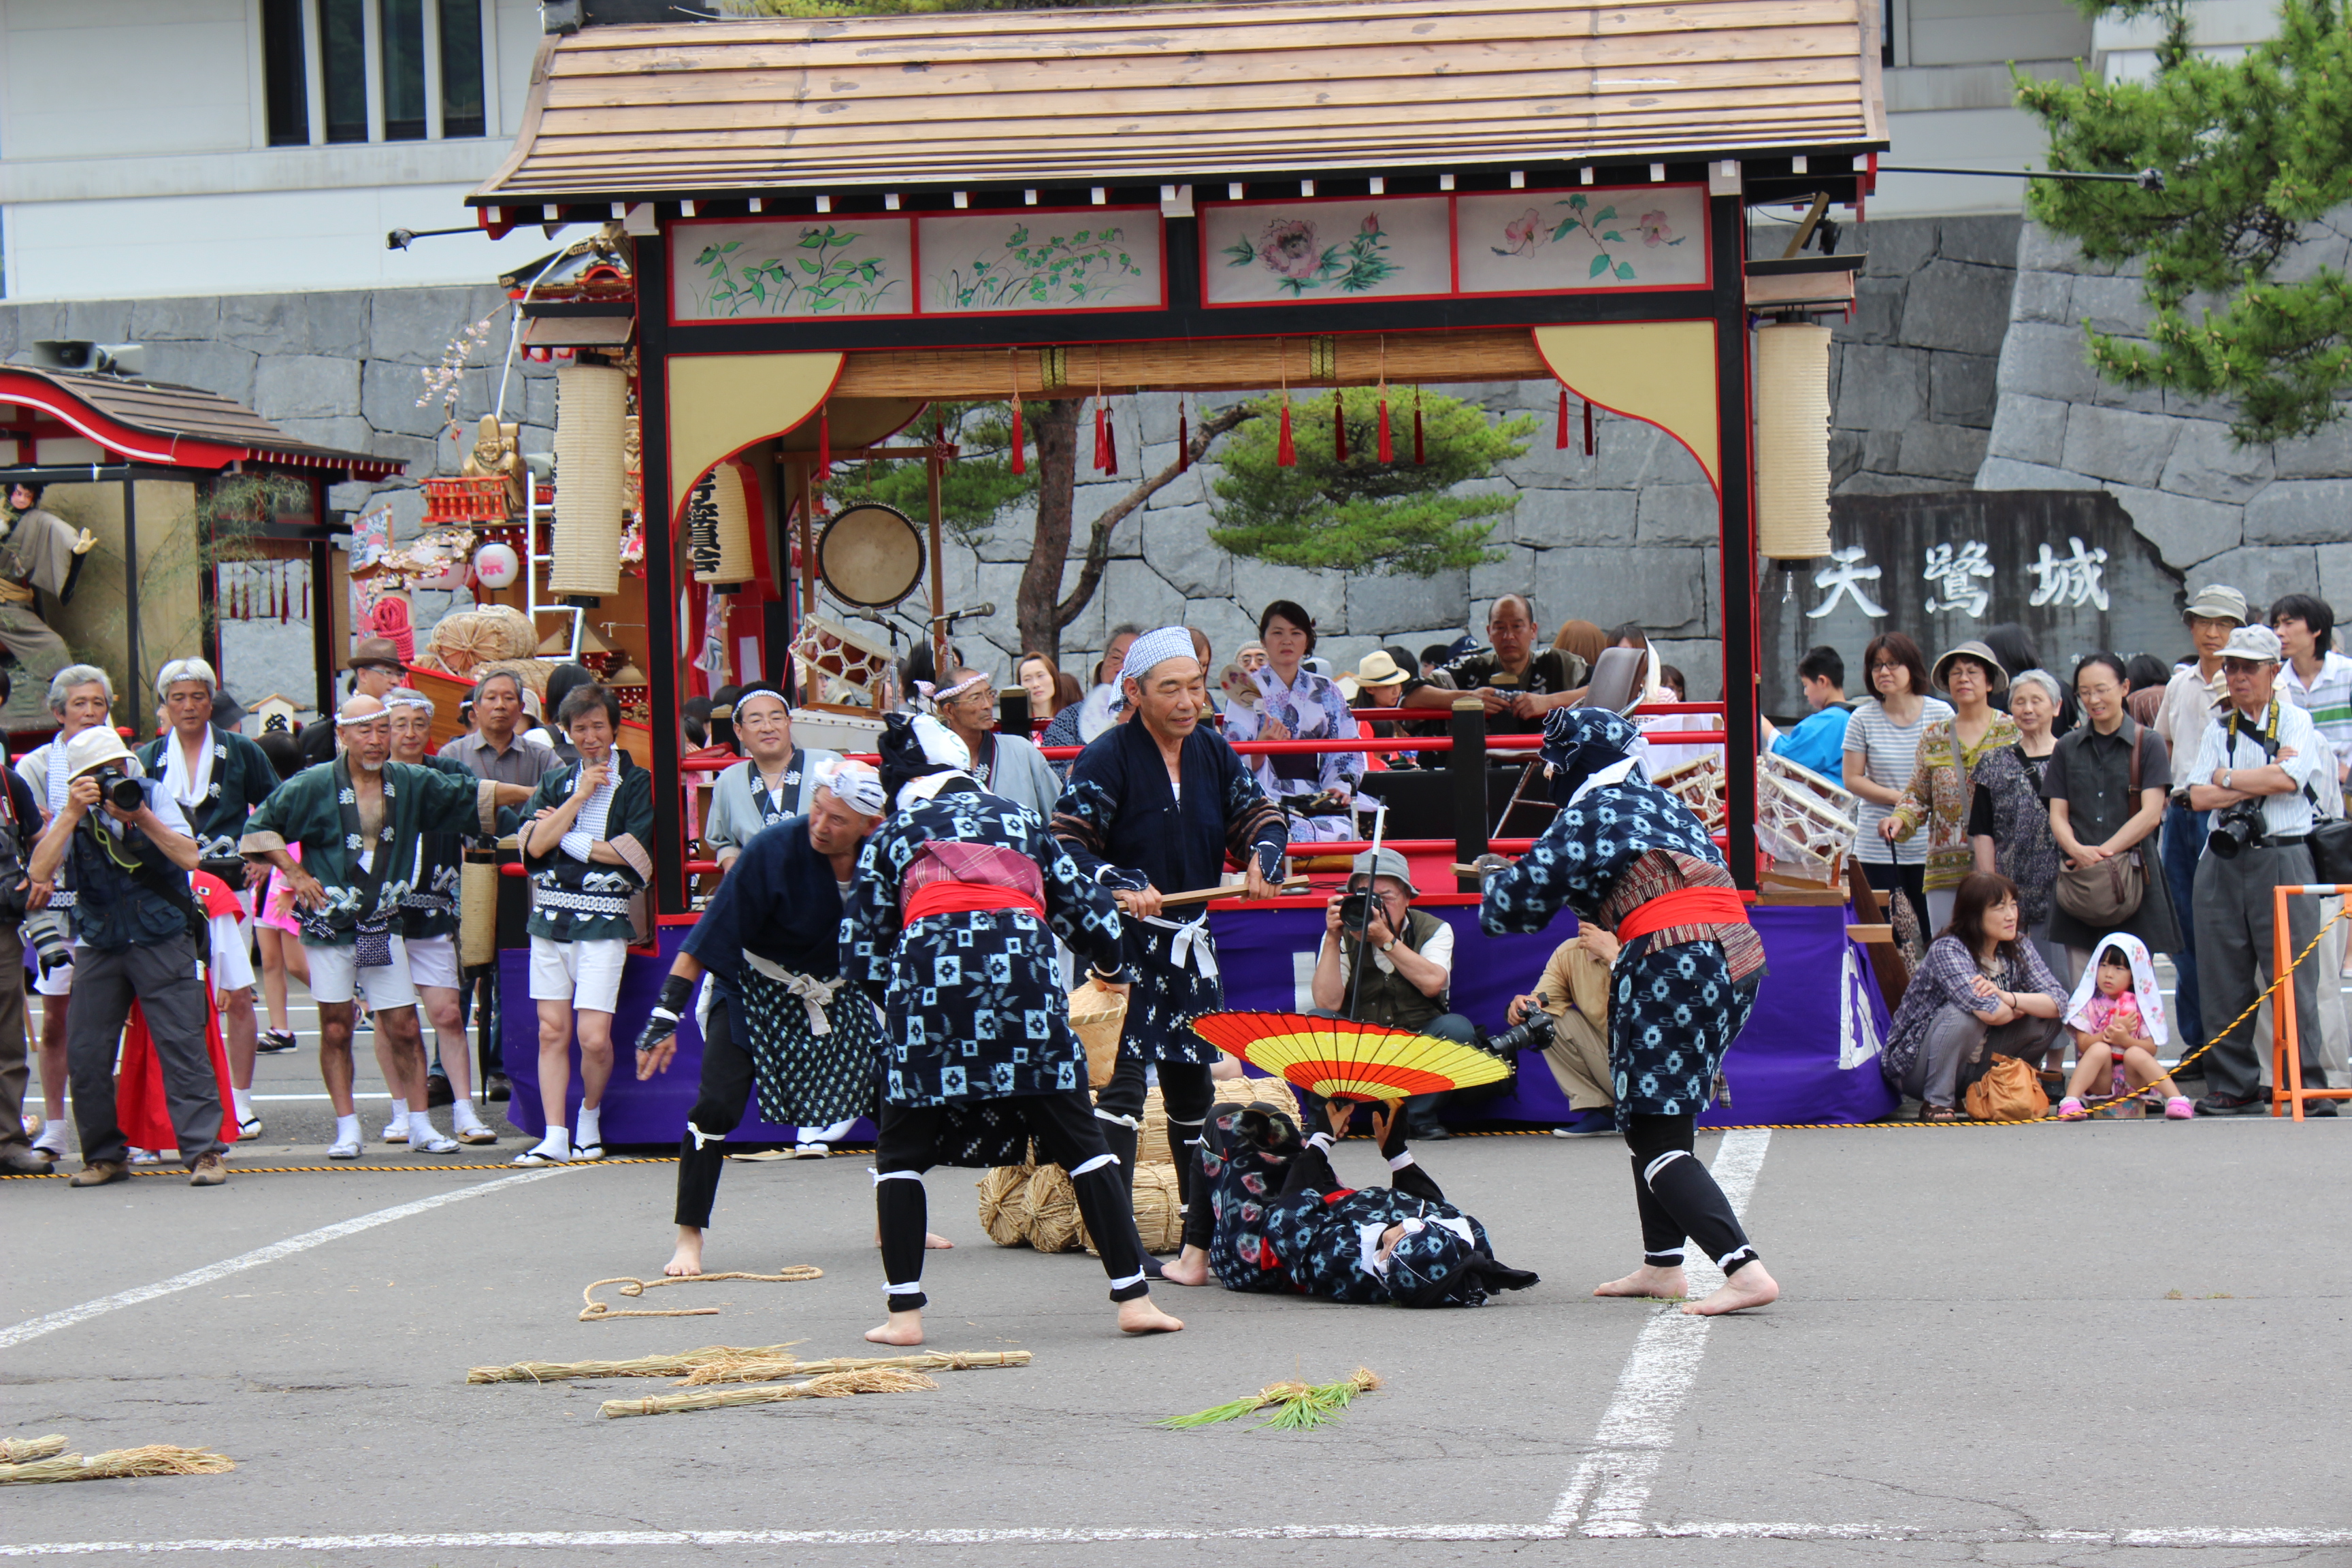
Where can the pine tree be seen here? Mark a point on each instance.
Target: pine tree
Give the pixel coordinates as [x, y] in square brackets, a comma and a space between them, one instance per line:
[2253, 150]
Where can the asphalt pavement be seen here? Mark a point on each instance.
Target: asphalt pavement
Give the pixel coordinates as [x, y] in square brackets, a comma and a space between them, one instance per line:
[2049, 1345]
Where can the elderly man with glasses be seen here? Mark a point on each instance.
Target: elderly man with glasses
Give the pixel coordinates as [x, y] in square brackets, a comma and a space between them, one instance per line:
[1007, 765]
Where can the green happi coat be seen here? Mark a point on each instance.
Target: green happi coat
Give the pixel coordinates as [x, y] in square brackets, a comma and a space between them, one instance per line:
[310, 808]
[581, 901]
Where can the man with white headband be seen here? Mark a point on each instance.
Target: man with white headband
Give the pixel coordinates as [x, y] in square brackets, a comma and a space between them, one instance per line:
[358, 818]
[774, 1012]
[1007, 765]
[776, 779]
[1161, 806]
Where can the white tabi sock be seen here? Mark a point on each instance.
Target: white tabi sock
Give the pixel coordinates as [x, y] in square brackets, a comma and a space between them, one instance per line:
[591, 1134]
[557, 1142]
[420, 1128]
[399, 1110]
[463, 1116]
[347, 1128]
[244, 1104]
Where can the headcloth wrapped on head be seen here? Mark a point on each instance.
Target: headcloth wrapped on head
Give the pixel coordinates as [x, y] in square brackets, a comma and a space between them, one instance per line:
[855, 785]
[1151, 650]
[915, 746]
[1580, 741]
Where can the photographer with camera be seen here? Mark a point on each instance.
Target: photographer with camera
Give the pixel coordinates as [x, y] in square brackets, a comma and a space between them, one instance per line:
[1567, 1018]
[2255, 771]
[136, 925]
[1412, 968]
[216, 777]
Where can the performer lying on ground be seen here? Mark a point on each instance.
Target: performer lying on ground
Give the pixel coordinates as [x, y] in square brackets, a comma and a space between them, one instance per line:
[1274, 1217]
[946, 927]
[1155, 806]
[1625, 854]
[773, 1013]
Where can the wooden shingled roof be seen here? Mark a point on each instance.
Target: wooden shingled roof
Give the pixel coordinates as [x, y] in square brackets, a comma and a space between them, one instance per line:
[1179, 92]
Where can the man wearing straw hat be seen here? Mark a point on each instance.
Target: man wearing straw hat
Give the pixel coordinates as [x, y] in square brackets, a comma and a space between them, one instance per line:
[357, 819]
[950, 926]
[773, 1013]
[1154, 807]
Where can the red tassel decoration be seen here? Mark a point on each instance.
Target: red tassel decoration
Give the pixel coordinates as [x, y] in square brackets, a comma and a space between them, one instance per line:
[824, 441]
[1419, 453]
[1559, 437]
[1388, 446]
[1286, 454]
[1183, 439]
[1105, 448]
[1020, 461]
[1338, 427]
[1590, 446]
[285, 598]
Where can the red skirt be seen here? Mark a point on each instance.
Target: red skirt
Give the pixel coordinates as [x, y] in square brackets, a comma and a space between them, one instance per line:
[140, 1108]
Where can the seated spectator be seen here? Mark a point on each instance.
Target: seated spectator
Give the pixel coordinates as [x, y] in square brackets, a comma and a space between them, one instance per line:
[1315, 790]
[1041, 678]
[2117, 1018]
[1381, 682]
[2009, 824]
[776, 779]
[1413, 967]
[1581, 638]
[1980, 987]
[1518, 685]
[1575, 991]
[694, 723]
[1006, 765]
[1078, 724]
[1818, 741]
[1673, 680]
[1434, 661]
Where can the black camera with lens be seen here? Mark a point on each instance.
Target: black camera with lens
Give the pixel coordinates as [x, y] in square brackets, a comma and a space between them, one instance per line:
[118, 788]
[2236, 827]
[1356, 913]
[1534, 1035]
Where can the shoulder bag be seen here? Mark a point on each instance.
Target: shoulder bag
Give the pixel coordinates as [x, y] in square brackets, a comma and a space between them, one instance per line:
[2105, 893]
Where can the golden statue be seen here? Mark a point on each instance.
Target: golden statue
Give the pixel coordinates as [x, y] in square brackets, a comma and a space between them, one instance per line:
[498, 451]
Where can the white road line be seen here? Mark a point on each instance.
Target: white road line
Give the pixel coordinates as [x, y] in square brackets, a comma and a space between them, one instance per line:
[34, 1328]
[1637, 1428]
[561, 1539]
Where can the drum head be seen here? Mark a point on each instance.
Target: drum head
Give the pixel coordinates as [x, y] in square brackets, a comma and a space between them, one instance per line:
[871, 555]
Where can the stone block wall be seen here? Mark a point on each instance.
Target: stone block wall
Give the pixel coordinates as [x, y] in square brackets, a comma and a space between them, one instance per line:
[2269, 519]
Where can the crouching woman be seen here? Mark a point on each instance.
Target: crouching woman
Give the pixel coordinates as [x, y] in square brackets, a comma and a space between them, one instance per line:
[1981, 990]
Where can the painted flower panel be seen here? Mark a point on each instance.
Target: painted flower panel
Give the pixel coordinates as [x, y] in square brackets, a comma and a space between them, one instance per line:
[1347, 248]
[1639, 237]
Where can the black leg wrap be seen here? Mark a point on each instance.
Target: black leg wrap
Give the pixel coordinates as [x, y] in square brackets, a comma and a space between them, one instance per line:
[904, 1214]
[697, 1178]
[725, 1088]
[1686, 1189]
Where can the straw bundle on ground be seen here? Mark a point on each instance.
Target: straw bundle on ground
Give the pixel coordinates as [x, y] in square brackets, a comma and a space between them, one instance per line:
[120, 1464]
[1099, 1016]
[677, 1364]
[837, 1385]
[1002, 1192]
[1273, 1091]
[23, 1450]
[1159, 1215]
[763, 1369]
[1049, 1210]
[596, 1310]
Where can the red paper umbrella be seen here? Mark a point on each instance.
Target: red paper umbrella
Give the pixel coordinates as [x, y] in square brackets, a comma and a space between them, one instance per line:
[1340, 1060]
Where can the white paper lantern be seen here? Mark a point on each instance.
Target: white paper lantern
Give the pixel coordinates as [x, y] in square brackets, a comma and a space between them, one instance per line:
[495, 565]
[1793, 441]
[591, 402]
[725, 534]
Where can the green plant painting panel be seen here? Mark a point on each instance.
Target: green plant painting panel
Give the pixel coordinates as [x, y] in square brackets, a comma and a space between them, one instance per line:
[1090, 259]
[831, 266]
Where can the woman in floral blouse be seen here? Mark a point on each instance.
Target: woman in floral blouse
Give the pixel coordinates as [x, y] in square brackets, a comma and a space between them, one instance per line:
[1940, 789]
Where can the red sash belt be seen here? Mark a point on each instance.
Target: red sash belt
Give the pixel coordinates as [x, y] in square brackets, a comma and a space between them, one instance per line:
[958, 897]
[1684, 907]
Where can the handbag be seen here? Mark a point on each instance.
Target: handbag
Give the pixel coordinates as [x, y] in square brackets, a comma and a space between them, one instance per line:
[2009, 1091]
[2105, 893]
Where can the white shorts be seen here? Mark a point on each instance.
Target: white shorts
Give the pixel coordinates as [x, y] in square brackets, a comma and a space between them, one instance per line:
[585, 973]
[58, 982]
[336, 976]
[433, 961]
[231, 959]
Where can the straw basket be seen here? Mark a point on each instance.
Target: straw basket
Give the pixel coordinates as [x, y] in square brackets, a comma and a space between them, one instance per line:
[1100, 1016]
[1050, 1210]
[477, 910]
[1159, 1215]
[1003, 1194]
[1273, 1091]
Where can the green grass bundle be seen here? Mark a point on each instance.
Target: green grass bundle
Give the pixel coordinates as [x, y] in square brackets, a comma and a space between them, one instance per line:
[1296, 1405]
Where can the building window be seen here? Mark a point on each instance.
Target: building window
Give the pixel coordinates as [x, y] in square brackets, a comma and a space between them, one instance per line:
[342, 58]
[330, 36]
[285, 94]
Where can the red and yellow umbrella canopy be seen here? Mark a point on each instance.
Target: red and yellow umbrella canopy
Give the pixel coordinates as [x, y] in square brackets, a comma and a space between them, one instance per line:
[1340, 1060]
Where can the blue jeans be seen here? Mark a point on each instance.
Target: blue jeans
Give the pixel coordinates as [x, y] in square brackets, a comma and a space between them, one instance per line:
[2184, 840]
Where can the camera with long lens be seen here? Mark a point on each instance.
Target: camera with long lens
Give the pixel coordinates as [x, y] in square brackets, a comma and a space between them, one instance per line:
[46, 934]
[1532, 1035]
[2236, 827]
[118, 788]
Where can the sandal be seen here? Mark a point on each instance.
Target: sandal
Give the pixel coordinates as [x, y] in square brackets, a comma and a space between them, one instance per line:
[477, 1134]
[1940, 1113]
[2070, 1110]
[275, 1041]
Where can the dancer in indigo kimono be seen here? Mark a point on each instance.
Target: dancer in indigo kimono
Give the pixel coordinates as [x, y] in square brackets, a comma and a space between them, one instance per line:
[774, 1014]
[1276, 1217]
[1625, 854]
[1158, 806]
[950, 927]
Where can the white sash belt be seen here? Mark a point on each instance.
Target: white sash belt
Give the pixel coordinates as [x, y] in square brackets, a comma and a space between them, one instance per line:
[1192, 943]
[816, 995]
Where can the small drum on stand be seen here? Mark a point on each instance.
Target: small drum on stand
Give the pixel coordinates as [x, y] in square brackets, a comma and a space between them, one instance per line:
[870, 555]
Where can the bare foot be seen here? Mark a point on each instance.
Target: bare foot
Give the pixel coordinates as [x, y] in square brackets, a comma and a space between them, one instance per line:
[1140, 1317]
[1648, 1280]
[1190, 1268]
[934, 1242]
[688, 1259]
[903, 1329]
[1750, 1286]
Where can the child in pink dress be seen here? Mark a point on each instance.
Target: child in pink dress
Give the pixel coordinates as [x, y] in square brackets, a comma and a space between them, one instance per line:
[2118, 1023]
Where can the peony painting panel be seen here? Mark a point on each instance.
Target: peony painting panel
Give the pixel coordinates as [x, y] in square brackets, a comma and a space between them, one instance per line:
[831, 266]
[1594, 238]
[1373, 247]
[1090, 258]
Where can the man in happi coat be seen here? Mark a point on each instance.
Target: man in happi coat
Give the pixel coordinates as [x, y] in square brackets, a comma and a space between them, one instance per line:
[1625, 855]
[1154, 806]
[950, 927]
[776, 780]
[776, 1012]
[1275, 1216]
[358, 818]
